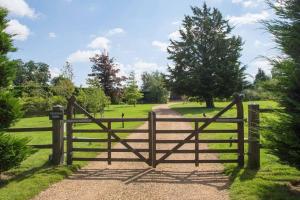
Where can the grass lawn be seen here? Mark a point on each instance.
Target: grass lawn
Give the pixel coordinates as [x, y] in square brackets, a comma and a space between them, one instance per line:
[35, 174]
[268, 183]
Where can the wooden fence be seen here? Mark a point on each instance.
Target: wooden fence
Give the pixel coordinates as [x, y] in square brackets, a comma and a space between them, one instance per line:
[149, 153]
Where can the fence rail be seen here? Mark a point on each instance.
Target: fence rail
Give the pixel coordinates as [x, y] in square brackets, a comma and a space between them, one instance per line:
[152, 138]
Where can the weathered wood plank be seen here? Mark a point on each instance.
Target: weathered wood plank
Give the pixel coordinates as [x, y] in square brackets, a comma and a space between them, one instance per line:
[37, 129]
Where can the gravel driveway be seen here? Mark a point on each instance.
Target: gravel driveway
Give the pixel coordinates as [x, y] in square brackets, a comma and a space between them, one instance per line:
[137, 181]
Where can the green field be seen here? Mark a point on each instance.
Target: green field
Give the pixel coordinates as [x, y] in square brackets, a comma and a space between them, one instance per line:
[35, 174]
[268, 183]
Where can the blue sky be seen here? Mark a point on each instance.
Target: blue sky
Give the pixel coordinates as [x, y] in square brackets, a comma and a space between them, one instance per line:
[135, 32]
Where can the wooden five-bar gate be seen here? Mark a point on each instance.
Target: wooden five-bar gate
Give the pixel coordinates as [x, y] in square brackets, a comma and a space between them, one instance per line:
[149, 153]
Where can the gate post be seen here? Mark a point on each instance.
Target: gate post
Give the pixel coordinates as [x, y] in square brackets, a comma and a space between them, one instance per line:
[57, 135]
[154, 140]
[254, 137]
[70, 109]
[150, 137]
[240, 129]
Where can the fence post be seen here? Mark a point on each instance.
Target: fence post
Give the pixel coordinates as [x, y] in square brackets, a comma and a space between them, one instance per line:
[109, 143]
[197, 145]
[57, 135]
[154, 140]
[240, 129]
[253, 137]
[150, 137]
[70, 110]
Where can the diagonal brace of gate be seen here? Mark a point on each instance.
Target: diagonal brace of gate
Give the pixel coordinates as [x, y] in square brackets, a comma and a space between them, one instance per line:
[201, 128]
[113, 134]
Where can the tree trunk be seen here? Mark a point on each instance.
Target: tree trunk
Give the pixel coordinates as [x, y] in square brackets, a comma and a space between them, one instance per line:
[209, 102]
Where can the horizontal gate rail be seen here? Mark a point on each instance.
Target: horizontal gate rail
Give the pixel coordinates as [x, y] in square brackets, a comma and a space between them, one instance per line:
[106, 150]
[199, 161]
[190, 130]
[111, 159]
[104, 120]
[158, 151]
[219, 120]
[115, 130]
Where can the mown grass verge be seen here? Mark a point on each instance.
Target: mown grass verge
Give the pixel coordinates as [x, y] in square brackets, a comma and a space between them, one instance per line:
[36, 174]
[271, 181]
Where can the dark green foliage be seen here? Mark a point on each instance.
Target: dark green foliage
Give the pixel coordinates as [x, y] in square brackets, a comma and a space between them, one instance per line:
[260, 77]
[105, 75]
[154, 88]
[285, 136]
[10, 109]
[206, 57]
[12, 151]
[31, 71]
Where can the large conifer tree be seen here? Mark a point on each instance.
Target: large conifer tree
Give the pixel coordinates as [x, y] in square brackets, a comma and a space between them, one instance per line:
[206, 57]
[284, 138]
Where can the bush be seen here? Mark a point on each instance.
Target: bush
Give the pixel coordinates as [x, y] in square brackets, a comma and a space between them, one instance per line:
[10, 109]
[58, 100]
[12, 151]
[35, 105]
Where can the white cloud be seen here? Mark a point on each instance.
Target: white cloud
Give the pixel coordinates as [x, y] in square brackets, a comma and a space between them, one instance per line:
[174, 35]
[260, 63]
[20, 31]
[18, 7]
[115, 31]
[259, 43]
[176, 22]
[82, 56]
[161, 45]
[99, 42]
[142, 65]
[52, 35]
[248, 18]
[248, 3]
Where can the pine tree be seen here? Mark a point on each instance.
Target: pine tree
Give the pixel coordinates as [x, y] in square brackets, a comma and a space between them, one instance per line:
[105, 74]
[260, 77]
[132, 93]
[10, 109]
[206, 57]
[284, 138]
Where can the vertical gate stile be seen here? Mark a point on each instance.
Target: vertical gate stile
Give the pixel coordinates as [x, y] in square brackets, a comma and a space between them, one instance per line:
[109, 143]
[70, 110]
[154, 163]
[196, 145]
[240, 128]
[150, 138]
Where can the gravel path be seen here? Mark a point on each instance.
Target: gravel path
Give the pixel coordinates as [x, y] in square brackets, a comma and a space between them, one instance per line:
[99, 181]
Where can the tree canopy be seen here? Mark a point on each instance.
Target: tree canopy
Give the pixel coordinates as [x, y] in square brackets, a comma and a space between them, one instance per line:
[105, 74]
[132, 93]
[285, 136]
[206, 57]
[154, 88]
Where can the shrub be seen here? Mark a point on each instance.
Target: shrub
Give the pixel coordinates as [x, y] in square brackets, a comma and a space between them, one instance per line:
[35, 105]
[12, 151]
[58, 100]
[10, 109]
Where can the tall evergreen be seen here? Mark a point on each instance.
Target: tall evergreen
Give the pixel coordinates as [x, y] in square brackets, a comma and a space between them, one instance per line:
[260, 77]
[284, 138]
[206, 57]
[9, 105]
